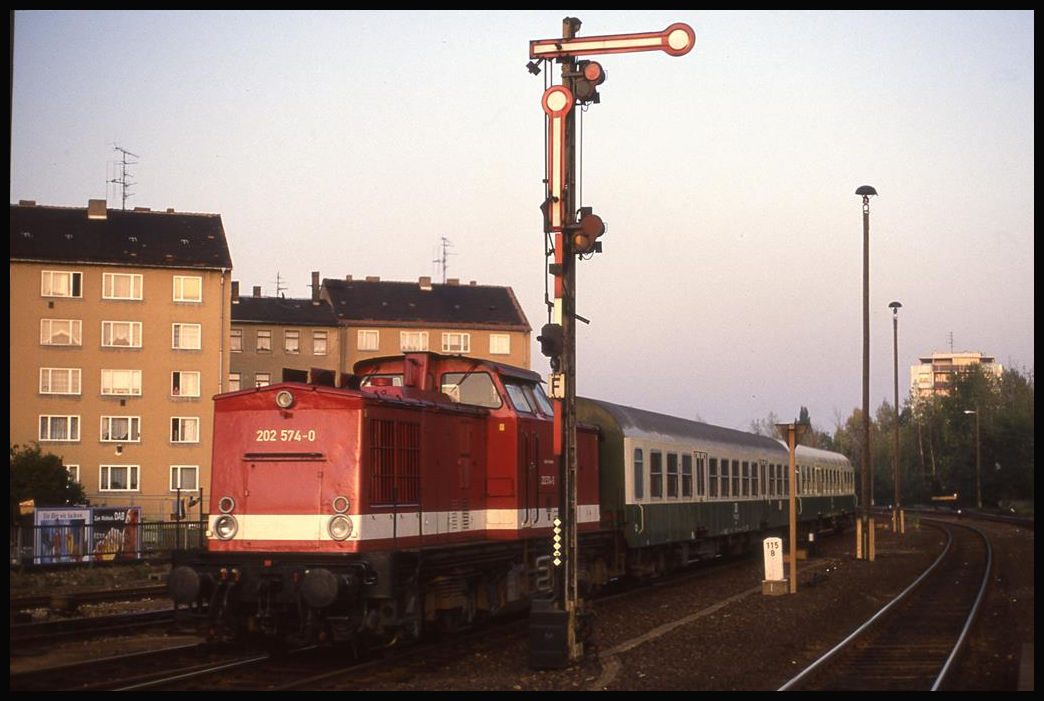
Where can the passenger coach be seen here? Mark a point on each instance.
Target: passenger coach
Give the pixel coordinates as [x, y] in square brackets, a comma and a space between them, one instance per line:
[685, 490]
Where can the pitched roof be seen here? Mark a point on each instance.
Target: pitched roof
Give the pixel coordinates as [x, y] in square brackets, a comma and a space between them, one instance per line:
[119, 237]
[409, 303]
[280, 310]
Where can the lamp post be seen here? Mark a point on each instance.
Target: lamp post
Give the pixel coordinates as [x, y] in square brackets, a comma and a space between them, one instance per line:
[978, 458]
[897, 509]
[792, 433]
[865, 529]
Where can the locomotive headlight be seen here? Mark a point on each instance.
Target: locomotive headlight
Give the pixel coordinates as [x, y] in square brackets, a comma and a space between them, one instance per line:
[339, 527]
[284, 399]
[226, 526]
[341, 503]
[226, 505]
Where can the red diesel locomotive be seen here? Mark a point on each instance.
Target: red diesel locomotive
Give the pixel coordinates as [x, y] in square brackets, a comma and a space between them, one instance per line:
[423, 491]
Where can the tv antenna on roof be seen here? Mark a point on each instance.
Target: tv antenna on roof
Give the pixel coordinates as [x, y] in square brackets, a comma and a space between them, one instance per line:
[122, 180]
[441, 260]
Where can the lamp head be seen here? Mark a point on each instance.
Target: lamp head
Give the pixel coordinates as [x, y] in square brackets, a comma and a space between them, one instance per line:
[866, 191]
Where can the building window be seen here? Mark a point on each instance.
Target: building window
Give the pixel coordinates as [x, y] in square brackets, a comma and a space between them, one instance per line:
[264, 341]
[61, 283]
[118, 478]
[121, 382]
[59, 380]
[184, 477]
[121, 334]
[235, 341]
[187, 336]
[291, 342]
[456, 343]
[184, 383]
[318, 343]
[120, 429]
[121, 286]
[234, 382]
[74, 472]
[368, 340]
[262, 379]
[59, 428]
[188, 288]
[61, 332]
[184, 429]
[413, 341]
[499, 344]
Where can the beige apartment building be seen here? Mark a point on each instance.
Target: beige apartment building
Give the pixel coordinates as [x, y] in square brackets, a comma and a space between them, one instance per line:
[934, 374]
[119, 326]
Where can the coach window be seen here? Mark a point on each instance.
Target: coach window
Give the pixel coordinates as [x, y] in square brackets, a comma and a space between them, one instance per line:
[686, 476]
[735, 478]
[745, 479]
[672, 475]
[712, 477]
[655, 474]
[639, 474]
[471, 388]
[701, 475]
[758, 479]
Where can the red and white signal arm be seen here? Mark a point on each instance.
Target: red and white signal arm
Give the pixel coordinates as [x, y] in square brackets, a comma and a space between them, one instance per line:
[557, 102]
[677, 40]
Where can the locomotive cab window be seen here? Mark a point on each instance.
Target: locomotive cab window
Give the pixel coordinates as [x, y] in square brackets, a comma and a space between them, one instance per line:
[381, 381]
[519, 401]
[471, 388]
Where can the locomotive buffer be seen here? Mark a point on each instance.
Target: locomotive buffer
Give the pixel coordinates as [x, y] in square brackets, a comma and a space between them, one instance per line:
[554, 640]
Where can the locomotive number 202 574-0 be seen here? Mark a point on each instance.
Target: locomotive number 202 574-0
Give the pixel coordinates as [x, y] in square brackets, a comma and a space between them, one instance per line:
[271, 435]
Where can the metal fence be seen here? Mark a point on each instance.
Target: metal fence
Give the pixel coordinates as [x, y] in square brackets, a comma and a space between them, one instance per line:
[77, 544]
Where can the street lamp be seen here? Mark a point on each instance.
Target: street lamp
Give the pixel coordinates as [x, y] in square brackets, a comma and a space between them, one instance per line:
[865, 544]
[897, 511]
[978, 458]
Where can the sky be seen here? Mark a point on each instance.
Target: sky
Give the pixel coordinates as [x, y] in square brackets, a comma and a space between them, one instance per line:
[729, 289]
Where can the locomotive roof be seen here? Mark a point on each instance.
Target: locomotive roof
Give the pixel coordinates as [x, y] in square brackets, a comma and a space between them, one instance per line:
[652, 425]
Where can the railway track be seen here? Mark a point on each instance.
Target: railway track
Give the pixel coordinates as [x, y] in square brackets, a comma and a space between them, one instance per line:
[913, 642]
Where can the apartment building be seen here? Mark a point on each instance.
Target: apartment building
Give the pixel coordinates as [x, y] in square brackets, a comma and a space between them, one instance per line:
[272, 338]
[119, 326]
[381, 317]
[934, 374]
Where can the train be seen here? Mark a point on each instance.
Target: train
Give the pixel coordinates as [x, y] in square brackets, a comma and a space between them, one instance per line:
[420, 493]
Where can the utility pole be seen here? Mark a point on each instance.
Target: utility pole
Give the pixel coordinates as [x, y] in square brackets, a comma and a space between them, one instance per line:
[555, 641]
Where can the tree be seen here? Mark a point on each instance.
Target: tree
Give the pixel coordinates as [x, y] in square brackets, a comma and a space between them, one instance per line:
[41, 477]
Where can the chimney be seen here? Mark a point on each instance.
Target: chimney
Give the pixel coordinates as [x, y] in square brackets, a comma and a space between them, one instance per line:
[257, 290]
[26, 203]
[96, 209]
[453, 281]
[373, 278]
[315, 287]
[235, 292]
[425, 284]
[347, 278]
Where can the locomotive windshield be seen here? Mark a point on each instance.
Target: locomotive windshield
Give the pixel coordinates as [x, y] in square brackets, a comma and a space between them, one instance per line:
[528, 398]
[471, 388]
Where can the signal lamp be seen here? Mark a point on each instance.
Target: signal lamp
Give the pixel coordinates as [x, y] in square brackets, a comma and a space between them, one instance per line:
[551, 340]
[587, 231]
[591, 75]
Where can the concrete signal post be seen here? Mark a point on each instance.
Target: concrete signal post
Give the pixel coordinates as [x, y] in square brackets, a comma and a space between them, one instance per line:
[573, 231]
